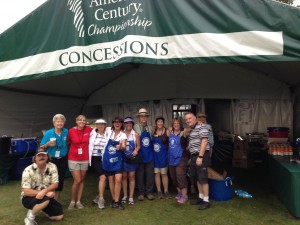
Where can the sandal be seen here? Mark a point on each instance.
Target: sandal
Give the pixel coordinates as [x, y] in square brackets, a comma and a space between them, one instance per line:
[130, 201]
[124, 199]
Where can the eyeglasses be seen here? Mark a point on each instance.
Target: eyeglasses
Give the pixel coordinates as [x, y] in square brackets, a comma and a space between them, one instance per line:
[201, 116]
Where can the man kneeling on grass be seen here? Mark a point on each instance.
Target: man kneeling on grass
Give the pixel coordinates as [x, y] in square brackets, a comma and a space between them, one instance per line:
[39, 181]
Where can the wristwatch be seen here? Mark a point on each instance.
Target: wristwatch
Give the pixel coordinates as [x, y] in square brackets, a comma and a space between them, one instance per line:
[200, 156]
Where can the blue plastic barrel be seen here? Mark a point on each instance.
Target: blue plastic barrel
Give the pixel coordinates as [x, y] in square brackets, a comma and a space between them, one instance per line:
[220, 189]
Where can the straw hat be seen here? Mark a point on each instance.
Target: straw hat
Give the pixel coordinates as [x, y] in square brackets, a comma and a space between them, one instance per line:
[143, 112]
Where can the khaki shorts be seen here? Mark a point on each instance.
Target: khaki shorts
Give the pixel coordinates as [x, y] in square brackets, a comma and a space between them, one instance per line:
[161, 170]
[78, 165]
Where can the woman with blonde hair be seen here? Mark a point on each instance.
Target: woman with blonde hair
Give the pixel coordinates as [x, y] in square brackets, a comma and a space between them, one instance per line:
[78, 158]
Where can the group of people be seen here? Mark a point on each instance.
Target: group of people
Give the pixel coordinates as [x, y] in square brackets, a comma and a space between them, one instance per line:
[124, 153]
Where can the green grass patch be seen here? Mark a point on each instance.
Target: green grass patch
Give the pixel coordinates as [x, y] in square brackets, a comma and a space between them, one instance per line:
[264, 208]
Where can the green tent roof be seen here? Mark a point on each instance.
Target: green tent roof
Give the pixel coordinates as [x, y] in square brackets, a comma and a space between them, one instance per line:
[64, 36]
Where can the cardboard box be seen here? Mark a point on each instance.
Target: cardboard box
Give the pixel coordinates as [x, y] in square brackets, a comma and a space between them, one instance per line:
[241, 146]
[238, 154]
[240, 150]
[214, 174]
[242, 163]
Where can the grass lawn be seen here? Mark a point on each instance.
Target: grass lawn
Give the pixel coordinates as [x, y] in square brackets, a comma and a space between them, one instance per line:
[263, 208]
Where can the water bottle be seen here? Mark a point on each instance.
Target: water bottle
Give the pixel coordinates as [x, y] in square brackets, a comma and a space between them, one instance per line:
[243, 194]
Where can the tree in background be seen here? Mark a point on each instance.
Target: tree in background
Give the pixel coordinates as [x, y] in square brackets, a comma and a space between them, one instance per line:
[290, 2]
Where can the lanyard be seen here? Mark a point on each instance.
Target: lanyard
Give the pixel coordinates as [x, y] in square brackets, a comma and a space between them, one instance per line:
[100, 136]
[59, 139]
[80, 138]
[99, 143]
[143, 128]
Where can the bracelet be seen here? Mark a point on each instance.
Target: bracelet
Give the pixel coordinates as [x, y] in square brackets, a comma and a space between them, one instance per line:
[199, 156]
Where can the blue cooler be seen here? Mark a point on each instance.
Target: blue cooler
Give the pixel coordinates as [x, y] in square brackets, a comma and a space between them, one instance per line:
[19, 167]
[220, 189]
[23, 145]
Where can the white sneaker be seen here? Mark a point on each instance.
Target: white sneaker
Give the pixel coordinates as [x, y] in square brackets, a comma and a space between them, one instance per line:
[29, 222]
[101, 203]
[72, 205]
[79, 205]
[95, 201]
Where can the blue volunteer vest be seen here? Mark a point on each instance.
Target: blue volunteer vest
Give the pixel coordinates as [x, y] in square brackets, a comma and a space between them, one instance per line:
[130, 146]
[146, 150]
[112, 158]
[175, 150]
[160, 153]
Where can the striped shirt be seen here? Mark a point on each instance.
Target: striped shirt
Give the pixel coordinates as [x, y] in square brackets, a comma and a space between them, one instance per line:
[99, 144]
[195, 137]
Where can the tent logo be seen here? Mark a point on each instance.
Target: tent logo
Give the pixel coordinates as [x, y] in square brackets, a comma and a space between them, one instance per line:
[76, 8]
[107, 19]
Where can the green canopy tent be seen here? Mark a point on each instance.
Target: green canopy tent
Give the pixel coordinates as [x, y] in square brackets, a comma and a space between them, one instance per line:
[72, 56]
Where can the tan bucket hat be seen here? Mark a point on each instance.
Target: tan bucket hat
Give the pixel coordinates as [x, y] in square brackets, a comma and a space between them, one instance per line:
[143, 112]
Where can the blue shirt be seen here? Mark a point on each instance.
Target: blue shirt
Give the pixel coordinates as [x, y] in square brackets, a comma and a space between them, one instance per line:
[61, 148]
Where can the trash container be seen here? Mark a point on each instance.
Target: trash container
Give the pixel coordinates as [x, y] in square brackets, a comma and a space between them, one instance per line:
[220, 189]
